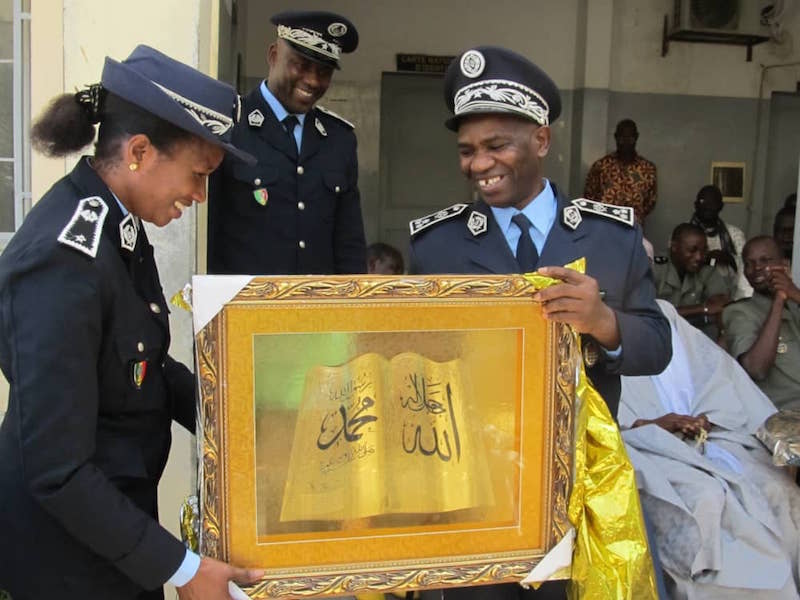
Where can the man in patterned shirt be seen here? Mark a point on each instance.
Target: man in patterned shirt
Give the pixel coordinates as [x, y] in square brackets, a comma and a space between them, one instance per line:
[623, 177]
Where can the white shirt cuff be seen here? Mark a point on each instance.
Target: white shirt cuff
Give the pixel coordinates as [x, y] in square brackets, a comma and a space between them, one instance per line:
[187, 570]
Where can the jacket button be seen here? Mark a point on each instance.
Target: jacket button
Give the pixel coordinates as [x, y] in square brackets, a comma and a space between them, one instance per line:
[155, 308]
[257, 181]
[301, 205]
[300, 170]
[140, 347]
[301, 243]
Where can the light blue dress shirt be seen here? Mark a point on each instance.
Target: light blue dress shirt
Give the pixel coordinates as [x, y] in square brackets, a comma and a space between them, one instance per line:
[541, 212]
[281, 113]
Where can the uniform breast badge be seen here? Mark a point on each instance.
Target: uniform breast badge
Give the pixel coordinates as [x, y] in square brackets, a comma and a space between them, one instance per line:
[128, 232]
[572, 217]
[320, 127]
[261, 196]
[782, 348]
[477, 223]
[255, 118]
[138, 371]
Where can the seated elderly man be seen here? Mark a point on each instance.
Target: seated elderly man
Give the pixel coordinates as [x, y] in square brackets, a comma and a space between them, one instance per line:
[696, 289]
[726, 519]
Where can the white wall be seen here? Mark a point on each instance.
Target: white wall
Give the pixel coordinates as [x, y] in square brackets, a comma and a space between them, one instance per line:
[692, 69]
[544, 30]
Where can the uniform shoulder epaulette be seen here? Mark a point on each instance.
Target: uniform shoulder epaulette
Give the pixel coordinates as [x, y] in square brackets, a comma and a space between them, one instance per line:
[422, 223]
[330, 113]
[86, 226]
[661, 260]
[622, 214]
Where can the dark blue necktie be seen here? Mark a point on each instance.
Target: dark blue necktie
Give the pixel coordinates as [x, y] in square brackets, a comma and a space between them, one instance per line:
[289, 123]
[527, 256]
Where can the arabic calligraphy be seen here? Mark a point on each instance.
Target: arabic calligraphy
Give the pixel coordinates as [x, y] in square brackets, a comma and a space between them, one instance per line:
[367, 428]
[339, 422]
[425, 390]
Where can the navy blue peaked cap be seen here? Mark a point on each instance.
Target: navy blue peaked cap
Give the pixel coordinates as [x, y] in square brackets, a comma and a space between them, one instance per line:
[177, 93]
[321, 36]
[490, 79]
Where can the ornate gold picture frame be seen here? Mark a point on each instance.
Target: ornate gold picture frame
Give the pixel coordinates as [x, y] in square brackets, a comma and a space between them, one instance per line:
[367, 433]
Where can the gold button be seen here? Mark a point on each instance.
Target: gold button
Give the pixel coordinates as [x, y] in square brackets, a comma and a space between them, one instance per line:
[140, 347]
[300, 170]
[301, 205]
[337, 189]
[301, 243]
[155, 307]
[257, 181]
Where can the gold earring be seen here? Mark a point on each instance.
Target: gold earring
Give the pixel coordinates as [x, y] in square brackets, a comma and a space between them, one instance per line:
[133, 166]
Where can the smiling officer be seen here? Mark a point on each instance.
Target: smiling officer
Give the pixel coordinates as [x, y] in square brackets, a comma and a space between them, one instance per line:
[502, 107]
[298, 210]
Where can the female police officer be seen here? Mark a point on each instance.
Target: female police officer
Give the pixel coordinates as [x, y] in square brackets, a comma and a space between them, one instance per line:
[84, 338]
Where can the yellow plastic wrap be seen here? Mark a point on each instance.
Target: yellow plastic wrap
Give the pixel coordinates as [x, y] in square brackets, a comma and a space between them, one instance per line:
[611, 558]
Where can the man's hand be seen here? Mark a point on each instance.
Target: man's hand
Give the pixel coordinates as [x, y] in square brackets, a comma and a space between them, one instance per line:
[674, 423]
[211, 580]
[781, 284]
[577, 302]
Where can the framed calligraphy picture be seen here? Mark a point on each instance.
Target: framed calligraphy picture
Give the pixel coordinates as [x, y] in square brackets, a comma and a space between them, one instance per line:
[379, 434]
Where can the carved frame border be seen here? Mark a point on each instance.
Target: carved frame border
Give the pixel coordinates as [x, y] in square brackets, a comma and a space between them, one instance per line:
[384, 576]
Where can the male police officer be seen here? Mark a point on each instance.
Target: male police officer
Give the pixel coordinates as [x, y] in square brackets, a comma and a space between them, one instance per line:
[503, 106]
[298, 210]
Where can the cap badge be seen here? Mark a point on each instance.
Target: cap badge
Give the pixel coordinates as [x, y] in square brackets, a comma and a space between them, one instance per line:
[215, 122]
[128, 233]
[477, 223]
[472, 63]
[255, 118]
[320, 127]
[572, 217]
[337, 29]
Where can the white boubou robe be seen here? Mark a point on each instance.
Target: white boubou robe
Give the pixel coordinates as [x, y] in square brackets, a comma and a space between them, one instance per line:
[726, 519]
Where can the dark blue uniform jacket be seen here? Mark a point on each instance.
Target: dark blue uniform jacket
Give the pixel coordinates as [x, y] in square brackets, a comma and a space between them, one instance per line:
[614, 256]
[309, 218]
[83, 444]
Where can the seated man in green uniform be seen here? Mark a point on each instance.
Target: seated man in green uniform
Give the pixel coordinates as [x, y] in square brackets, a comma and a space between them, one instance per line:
[763, 332]
[696, 289]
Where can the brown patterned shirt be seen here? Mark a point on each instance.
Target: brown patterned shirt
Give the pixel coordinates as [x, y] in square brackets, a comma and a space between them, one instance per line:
[625, 184]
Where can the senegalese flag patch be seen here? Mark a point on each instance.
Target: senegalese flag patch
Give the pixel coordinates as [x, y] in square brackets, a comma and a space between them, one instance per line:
[261, 196]
[138, 371]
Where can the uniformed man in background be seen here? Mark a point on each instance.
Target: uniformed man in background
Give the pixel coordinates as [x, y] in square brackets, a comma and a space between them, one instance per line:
[298, 210]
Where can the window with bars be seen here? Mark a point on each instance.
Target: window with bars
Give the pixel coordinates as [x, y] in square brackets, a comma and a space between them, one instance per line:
[15, 178]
